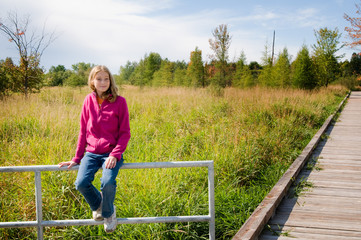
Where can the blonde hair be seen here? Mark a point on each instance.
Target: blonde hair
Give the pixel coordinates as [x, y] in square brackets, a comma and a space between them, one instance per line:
[112, 93]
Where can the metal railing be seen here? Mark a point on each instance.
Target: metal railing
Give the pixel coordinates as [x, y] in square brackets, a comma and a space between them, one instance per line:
[40, 223]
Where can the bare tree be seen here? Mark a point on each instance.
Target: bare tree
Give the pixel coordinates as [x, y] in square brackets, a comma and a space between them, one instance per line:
[30, 47]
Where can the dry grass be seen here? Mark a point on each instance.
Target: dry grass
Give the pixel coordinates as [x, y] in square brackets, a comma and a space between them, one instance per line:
[252, 135]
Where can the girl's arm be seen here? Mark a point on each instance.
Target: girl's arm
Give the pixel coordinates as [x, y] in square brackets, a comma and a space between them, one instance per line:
[124, 131]
[80, 149]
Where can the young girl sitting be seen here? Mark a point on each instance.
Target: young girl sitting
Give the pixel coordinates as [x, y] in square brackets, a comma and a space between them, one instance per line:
[103, 137]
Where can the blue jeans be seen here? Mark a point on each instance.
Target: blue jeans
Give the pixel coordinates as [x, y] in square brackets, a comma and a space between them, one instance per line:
[89, 165]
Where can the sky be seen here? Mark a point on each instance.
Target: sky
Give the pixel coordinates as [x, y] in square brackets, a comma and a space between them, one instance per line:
[112, 32]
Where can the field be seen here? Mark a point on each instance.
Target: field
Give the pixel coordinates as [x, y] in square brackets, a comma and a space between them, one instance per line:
[252, 135]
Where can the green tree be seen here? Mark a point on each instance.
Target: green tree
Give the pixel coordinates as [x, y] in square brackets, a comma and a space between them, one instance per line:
[152, 64]
[164, 76]
[180, 77]
[355, 64]
[138, 75]
[195, 70]
[325, 58]
[126, 71]
[243, 75]
[220, 45]
[5, 78]
[303, 75]
[281, 70]
[265, 76]
[57, 75]
[79, 74]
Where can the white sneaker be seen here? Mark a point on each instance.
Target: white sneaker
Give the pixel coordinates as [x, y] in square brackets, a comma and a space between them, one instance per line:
[110, 223]
[97, 214]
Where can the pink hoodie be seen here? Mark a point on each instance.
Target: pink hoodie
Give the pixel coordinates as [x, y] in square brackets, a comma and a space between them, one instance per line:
[103, 129]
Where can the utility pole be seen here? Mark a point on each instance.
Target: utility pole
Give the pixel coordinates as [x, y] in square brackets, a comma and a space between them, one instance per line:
[273, 46]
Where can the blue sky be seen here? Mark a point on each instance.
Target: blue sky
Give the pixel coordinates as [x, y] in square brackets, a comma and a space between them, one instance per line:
[111, 32]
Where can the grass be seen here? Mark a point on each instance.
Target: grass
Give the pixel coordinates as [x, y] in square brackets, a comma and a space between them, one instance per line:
[252, 135]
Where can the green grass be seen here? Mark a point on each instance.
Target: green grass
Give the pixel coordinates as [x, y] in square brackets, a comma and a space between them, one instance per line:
[252, 135]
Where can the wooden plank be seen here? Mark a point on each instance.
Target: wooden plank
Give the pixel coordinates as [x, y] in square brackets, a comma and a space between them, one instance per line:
[336, 184]
[292, 235]
[342, 221]
[338, 156]
[337, 162]
[342, 167]
[310, 202]
[310, 233]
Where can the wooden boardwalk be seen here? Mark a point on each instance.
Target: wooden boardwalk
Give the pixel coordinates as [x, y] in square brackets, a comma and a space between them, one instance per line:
[329, 205]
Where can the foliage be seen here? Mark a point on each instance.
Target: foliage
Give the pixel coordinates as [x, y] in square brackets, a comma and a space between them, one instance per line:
[145, 69]
[325, 58]
[6, 77]
[164, 76]
[79, 74]
[243, 76]
[220, 45]
[355, 64]
[152, 64]
[57, 75]
[126, 71]
[195, 70]
[281, 70]
[354, 32]
[302, 70]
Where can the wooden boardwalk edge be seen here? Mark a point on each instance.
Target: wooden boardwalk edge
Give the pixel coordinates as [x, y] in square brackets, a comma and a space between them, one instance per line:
[261, 215]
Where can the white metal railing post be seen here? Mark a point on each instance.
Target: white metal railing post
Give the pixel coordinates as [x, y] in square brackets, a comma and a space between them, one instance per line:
[212, 221]
[40, 223]
[39, 204]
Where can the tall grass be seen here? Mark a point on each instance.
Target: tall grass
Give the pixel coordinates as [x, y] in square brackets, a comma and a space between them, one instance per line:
[252, 135]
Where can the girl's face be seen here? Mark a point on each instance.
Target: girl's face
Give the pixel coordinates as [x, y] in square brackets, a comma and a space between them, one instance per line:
[101, 82]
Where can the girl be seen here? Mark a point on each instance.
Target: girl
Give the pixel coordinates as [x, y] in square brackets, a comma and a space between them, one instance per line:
[103, 136]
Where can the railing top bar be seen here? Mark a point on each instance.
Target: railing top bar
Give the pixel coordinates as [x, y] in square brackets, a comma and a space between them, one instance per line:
[36, 168]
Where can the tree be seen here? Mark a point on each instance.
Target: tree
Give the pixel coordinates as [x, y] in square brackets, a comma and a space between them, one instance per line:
[126, 71]
[79, 74]
[325, 57]
[265, 76]
[355, 64]
[57, 75]
[138, 75]
[164, 76]
[243, 75]
[5, 79]
[30, 48]
[302, 70]
[152, 64]
[282, 69]
[220, 45]
[354, 32]
[180, 77]
[195, 70]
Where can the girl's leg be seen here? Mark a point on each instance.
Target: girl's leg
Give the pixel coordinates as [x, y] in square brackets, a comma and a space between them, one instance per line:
[108, 187]
[89, 165]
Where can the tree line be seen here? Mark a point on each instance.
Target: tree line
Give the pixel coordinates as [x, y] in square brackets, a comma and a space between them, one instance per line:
[313, 67]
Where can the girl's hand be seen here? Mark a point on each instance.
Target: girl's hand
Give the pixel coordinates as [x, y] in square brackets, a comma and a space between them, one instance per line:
[111, 162]
[70, 164]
